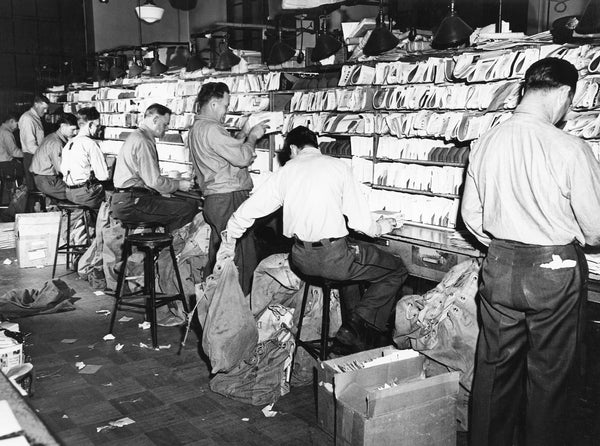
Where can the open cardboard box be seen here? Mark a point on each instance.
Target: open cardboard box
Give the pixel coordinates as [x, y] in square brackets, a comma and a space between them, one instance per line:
[418, 410]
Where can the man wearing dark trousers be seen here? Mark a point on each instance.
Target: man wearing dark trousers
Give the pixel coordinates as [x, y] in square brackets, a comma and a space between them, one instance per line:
[531, 194]
[31, 134]
[221, 164]
[317, 192]
[138, 182]
[45, 165]
[11, 157]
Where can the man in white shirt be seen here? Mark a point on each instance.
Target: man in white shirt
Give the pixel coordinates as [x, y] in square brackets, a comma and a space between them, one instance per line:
[83, 163]
[31, 133]
[318, 193]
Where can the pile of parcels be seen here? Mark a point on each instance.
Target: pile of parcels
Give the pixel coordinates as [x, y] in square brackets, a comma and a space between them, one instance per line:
[12, 360]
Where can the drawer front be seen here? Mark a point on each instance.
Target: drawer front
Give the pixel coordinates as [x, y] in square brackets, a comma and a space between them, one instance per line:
[422, 261]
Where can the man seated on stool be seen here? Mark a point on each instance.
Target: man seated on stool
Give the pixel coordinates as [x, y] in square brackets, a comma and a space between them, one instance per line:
[45, 165]
[83, 164]
[138, 182]
[317, 192]
[11, 157]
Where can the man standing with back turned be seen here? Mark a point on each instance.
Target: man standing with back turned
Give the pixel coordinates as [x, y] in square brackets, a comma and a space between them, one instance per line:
[221, 164]
[31, 133]
[531, 195]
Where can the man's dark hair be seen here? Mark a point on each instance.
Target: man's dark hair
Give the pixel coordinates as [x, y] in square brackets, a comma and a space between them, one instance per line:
[550, 73]
[7, 116]
[67, 118]
[209, 91]
[157, 109]
[87, 114]
[40, 98]
[300, 137]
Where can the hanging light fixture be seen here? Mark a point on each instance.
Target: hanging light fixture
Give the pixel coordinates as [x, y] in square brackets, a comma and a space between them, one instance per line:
[589, 23]
[135, 69]
[157, 66]
[452, 32]
[280, 52]
[149, 12]
[326, 45]
[227, 59]
[194, 62]
[381, 38]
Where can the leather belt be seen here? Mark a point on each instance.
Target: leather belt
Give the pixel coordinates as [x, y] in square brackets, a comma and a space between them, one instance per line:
[78, 186]
[318, 244]
[139, 190]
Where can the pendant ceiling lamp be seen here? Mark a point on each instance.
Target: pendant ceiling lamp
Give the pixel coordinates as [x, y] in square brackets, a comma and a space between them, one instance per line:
[157, 68]
[589, 23]
[381, 38]
[280, 52]
[195, 62]
[326, 45]
[227, 59]
[452, 32]
[135, 70]
[149, 12]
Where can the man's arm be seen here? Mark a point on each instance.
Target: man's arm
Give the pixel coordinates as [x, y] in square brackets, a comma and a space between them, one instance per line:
[147, 165]
[356, 208]
[55, 155]
[97, 161]
[11, 146]
[238, 153]
[585, 194]
[264, 200]
[472, 209]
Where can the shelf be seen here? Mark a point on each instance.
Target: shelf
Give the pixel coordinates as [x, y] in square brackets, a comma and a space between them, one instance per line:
[423, 162]
[415, 191]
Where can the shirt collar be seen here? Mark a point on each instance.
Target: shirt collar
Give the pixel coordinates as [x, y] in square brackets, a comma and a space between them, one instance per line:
[309, 151]
[208, 118]
[531, 111]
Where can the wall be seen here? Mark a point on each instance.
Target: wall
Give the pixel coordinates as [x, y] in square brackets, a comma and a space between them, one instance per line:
[115, 22]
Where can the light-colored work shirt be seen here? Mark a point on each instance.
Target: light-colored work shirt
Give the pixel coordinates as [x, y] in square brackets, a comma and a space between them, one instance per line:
[316, 192]
[80, 157]
[137, 164]
[220, 160]
[47, 158]
[8, 145]
[31, 131]
[530, 182]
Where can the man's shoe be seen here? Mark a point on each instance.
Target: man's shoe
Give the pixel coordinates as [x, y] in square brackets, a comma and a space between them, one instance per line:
[351, 337]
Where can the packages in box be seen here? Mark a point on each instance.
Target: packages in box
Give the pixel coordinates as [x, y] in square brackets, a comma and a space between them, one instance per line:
[325, 372]
[36, 238]
[389, 402]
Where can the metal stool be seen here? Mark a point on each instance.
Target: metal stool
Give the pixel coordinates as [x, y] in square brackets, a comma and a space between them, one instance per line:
[71, 250]
[317, 348]
[151, 244]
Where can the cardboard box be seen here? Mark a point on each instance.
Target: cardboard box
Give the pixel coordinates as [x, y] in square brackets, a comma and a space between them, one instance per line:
[10, 355]
[36, 238]
[415, 410]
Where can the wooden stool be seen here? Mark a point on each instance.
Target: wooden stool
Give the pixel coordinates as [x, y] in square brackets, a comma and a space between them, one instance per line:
[317, 348]
[151, 244]
[71, 250]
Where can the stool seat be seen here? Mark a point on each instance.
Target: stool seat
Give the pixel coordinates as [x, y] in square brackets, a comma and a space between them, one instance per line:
[150, 240]
[130, 224]
[69, 206]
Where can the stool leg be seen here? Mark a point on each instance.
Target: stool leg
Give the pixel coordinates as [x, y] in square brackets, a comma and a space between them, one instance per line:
[300, 319]
[325, 322]
[120, 283]
[2, 181]
[57, 245]
[88, 240]
[68, 242]
[149, 279]
[179, 283]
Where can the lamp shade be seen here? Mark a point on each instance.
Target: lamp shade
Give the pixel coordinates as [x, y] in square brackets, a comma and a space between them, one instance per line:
[194, 63]
[116, 72]
[280, 53]
[589, 23]
[135, 70]
[149, 12]
[326, 46]
[453, 31]
[157, 67]
[380, 41]
[227, 59]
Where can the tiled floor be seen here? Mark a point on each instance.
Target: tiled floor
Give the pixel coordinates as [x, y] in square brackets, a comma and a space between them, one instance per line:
[167, 394]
